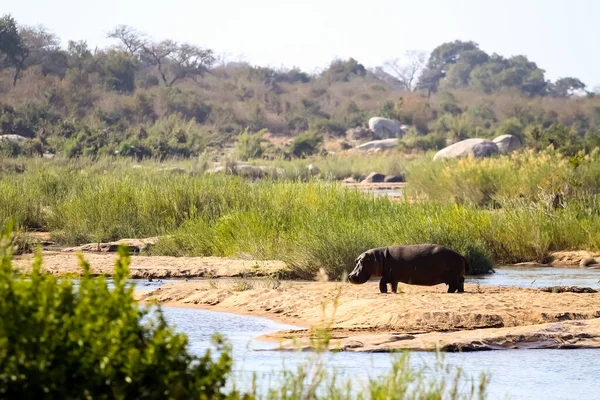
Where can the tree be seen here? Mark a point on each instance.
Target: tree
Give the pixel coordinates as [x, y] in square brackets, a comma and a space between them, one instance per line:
[440, 60]
[131, 40]
[190, 60]
[11, 43]
[156, 54]
[79, 56]
[408, 69]
[566, 87]
[117, 68]
[343, 70]
[41, 47]
[13, 51]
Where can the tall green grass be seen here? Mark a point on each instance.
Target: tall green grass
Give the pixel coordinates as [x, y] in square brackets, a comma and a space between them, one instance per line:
[309, 225]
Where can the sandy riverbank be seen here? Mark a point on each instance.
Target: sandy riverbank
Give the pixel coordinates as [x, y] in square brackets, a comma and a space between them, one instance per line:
[421, 318]
[62, 263]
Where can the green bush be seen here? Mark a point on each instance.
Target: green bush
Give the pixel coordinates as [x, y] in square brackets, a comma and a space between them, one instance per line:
[249, 145]
[306, 144]
[62, 341]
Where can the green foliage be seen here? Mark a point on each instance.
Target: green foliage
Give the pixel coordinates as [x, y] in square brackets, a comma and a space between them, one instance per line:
[306, 144]
[62, 341]
[117, 69]
[249, 145]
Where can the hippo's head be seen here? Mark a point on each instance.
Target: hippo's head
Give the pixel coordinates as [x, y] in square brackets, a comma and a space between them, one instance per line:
[368, 265]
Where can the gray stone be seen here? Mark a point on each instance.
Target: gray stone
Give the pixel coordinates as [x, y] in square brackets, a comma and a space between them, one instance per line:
[313, 169]
[477, 147]
[393, 178]
[507, 143]
[374, 177]
[13, 138]
[379, 144]
[385, 128]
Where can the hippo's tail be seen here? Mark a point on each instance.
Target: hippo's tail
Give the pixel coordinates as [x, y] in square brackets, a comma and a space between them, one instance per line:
[467, 267]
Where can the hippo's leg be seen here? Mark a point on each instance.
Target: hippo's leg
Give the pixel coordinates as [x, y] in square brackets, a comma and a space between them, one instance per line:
[461, 284]
[383, 285]
[394, 286]
[453, 285]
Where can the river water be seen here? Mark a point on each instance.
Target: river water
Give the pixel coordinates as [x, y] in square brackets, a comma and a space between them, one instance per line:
[515, 374]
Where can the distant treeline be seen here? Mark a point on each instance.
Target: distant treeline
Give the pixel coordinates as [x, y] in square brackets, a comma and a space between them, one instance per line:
[147, 98]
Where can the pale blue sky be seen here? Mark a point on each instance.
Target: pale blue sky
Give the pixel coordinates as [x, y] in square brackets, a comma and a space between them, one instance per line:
[561, 36]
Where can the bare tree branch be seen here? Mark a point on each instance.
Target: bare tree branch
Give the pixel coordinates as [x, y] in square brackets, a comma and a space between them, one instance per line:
[158, 53]
[407, 69]
[132, 40]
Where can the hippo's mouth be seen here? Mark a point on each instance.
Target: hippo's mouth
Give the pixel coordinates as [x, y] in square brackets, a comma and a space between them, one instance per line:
[357, 279]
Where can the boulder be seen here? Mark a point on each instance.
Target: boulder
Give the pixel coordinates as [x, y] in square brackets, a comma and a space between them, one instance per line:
[313, 169]
[379, 144]
[385, 128]
[359, 133]
[477, 147]
[248, 171]
[13, 138]
[374, 177]
[507, 143]
[393, 178]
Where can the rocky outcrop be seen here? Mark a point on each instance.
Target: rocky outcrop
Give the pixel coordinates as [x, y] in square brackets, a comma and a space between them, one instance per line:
[393, 179]
[385, 144]
[385, 128]
[507, 143]
[13, 138]
[374, 177]
[134, 246]
[479, 148]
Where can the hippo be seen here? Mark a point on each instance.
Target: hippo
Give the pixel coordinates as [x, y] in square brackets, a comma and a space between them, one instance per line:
[419, 264]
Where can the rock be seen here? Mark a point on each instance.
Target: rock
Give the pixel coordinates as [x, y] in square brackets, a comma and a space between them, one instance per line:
[374, 177]
[216, 170]
[568, 289]
[479, 148]
[379, 144]
[350, 180]
[134, 245]
[587, 261]
[359, 133]
[393, 178]
[507, 143]
[313, 169]
[13, 138]
[385, 128]
[48, 155]
[174, 170]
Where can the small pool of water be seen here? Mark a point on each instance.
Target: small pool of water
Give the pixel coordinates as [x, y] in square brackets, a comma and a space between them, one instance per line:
[518, 374]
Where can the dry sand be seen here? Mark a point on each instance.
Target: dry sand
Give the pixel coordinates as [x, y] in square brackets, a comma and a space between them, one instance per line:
[157, 267]
[421, 318]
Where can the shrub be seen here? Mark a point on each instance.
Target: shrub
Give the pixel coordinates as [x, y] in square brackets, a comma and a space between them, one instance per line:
[62, 341]
[249, 145]
[306, 144]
